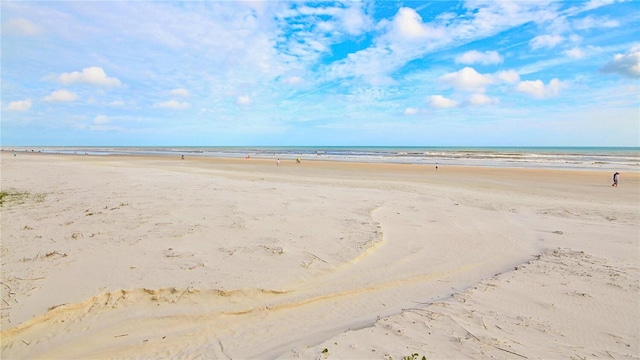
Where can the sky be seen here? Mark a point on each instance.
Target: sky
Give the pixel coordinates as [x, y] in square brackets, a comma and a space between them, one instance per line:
[352, 73]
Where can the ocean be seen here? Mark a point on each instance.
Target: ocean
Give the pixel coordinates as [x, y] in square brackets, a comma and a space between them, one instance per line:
[610, 158]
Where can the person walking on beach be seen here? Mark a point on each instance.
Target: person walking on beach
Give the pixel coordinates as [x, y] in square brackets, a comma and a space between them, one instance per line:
[616, 176]
[278, 162]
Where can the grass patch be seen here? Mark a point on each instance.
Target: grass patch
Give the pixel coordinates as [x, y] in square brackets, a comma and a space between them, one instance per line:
[11, 196]
[414, 357]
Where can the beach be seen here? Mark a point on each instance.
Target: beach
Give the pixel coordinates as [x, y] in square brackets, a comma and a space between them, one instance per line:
[124, 256]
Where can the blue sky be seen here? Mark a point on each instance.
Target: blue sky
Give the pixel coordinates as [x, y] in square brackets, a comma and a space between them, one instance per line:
[415, 73]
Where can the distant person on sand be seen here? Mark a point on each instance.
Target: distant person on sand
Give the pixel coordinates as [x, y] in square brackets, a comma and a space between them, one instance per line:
[278, 162]
[616, 176]
[436, 166]
[298, 160]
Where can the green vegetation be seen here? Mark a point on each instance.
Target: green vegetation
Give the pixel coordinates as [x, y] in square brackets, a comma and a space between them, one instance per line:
[18, 197]
[12, 196]
[415, 356]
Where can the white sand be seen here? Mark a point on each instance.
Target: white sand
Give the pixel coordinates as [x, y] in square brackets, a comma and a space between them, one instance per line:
[160, 257]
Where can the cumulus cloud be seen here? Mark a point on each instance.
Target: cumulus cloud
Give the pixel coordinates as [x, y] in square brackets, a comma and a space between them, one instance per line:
[439, 101]
[473, 57]
[61, 96]
[179, 92]
[508, 76]
[20, 26]
[545, 41]
[408, 25]
[243, 100]
[467, 79]
[482, 99]
[92, 75]
[627, 65]
[539, 90]
[174, 104]
[20, 105]
[101, 119]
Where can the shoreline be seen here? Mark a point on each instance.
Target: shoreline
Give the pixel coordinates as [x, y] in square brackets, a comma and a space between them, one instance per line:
[625, 159]
[302, 252]
[291, 161]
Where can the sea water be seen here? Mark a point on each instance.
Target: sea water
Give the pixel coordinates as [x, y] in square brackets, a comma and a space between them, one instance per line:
[610, 158]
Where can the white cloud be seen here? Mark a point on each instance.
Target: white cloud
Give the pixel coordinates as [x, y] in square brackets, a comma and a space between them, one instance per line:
[61, 96]
[473, 56]
[354, 21]
[627, 65]
[101, 119]
[482, 99]
[406, 37]
[174, 104]
[558, 24]
[545, 41]
[508, 76]
[312, 30]
[370, 64]
[410, 111]
[293, 80]
[92, 75]
[539, 90]
[20, 26]
[575, 38]
[250, 37]
[179, 92]
[409, 26]
[20, 105]
[243, 100]
[594, 4]
[380, 80]
[575, 53]
[590, 22]
[439, 101]
[467, 79]
[496, 13]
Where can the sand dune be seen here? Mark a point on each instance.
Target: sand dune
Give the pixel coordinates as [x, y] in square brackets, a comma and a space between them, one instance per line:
[156, 257]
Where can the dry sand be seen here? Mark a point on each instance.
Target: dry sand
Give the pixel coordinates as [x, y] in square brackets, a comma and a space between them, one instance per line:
[156, 257]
